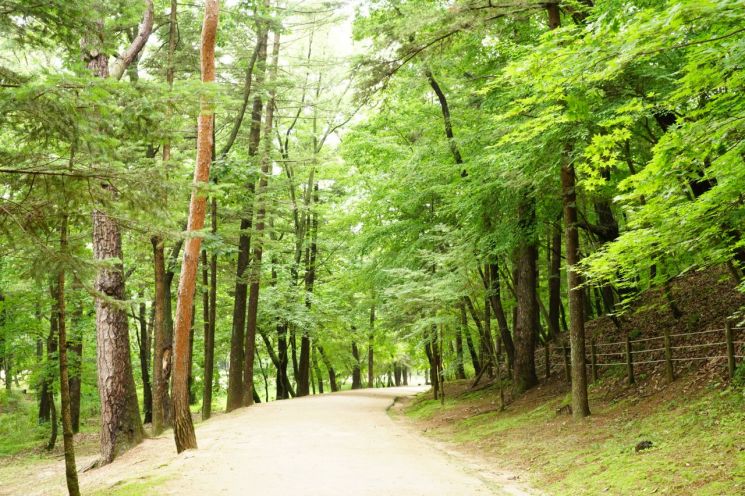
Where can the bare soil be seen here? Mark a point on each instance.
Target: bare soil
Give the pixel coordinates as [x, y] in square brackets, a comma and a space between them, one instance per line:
[334, 444]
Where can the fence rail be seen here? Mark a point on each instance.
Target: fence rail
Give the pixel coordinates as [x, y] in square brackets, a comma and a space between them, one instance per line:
[634, 355]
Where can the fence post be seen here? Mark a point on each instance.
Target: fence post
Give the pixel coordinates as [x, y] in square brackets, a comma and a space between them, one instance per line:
[594, 360]
[669, 371]
[567, 365]
[629, 361]
[547, 356]
[730, 348]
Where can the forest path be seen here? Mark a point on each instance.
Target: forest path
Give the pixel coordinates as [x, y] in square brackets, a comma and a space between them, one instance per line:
[341, 444]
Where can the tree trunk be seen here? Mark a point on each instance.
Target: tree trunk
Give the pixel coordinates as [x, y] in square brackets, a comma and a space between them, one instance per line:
[71, 473]
[444, 107]
[526, 321]
[330, 368]
[75, 363]
[147, 395]
[371, 349]
[5, 359]
[356, 375]
[282, 379]
[310, 278]
[208, 359]
[317, 371]
[45, 383]
[554, 280]
[460, 370]
[495, 297]
[209, 339]
[183, 427]
[580, 405]
[485, 339]
[121, 426]
[162, 405]
[237, 339]
[469, 339]
[261, 203]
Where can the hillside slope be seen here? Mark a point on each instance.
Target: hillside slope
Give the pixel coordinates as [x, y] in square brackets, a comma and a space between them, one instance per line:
[695, 425]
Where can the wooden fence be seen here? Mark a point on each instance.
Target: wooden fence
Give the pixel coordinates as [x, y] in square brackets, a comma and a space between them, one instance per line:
[667, 348]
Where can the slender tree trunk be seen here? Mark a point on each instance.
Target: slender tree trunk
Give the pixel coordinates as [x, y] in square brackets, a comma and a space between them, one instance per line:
[192, 330]
[275, 360]
[162, 337]
[238, 339]
[371, 349]
[261, 202]
[53, 423]
[460, 370]
[445, 108]
[554, 280]
[71, 473]
[330, 368]
[183, 427]
[317, 370]
[356, 375]
[485, 338]
[209, 339]
[282, 378]
[495, 297]
[580, 405]
[207, 384]
[310, 278]
[45, 383]
[209, 360]
[147, 395]
[5, 358]
[469, 340]
[75, 363]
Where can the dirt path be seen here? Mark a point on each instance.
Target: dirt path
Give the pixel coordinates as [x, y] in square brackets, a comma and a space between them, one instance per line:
[339, 444]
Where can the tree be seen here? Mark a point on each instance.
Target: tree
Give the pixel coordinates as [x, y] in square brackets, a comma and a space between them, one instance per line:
[183, 427]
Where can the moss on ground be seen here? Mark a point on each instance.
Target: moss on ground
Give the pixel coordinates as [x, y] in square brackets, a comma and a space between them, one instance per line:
[698, 440]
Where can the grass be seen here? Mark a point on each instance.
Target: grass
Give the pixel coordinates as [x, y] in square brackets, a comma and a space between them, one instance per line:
[698, 440]
[138, 487]
[19, 429]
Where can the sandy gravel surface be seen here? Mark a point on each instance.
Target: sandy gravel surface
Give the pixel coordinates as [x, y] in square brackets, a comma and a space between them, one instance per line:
[341, 444]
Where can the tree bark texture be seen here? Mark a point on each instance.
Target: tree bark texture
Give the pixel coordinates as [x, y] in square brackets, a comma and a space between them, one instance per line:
[526, 322]
[183, 426]
[580, 405]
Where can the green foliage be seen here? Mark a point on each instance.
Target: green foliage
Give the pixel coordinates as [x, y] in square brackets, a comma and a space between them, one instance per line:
[19, 429]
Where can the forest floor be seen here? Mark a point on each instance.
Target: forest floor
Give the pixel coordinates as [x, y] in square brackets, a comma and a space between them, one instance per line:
[697, 437]
[696, 424]
[334, 444]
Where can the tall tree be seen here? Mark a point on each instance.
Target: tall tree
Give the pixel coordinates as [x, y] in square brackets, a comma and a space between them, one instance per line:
[261, 206]
[71, 473]
[162, 336]
[183, 426]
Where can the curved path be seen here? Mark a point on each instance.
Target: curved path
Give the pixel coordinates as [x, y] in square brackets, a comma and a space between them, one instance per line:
[341, 444]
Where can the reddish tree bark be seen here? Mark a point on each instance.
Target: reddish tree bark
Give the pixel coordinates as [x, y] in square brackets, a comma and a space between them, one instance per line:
[183, 426]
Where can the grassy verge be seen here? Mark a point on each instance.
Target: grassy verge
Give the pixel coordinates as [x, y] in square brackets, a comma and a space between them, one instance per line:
[140, 487]
[698, 438]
